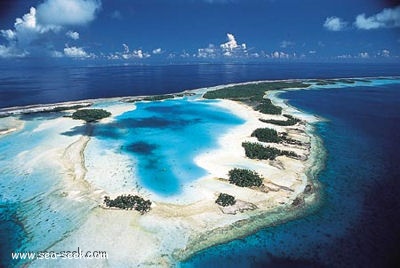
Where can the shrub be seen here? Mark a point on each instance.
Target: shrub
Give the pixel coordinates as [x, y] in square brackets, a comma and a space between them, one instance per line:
[90, 115]
[244, 177]
[291, 121]
[266, 135]
[128, 202]
[225, 200]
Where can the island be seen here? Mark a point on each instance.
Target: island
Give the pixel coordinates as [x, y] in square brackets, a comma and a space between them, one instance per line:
[260, 173]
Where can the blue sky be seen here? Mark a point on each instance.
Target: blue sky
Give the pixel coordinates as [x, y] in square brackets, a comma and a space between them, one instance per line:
[201, 30]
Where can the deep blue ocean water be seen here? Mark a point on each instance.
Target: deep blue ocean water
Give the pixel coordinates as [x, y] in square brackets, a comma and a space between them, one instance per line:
[358, 222]
[356, 225]
[24, 83]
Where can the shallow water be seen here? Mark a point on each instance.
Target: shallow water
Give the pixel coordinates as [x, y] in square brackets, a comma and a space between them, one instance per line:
[162, 140]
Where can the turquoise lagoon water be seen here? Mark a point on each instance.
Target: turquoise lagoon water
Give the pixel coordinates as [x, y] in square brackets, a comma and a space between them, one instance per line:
[33, 212]
[163, 138]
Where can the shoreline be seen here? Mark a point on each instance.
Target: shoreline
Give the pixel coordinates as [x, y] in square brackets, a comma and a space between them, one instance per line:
[210, 227]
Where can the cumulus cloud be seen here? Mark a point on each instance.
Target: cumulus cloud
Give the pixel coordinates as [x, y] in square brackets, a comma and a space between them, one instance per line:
[384, 53]
[231, 46]
[72, 35]
[8, 34]
[387, 18]
[76, 52]
[8, 51]
[128, 54]
[157, 51]
[71, 12]
[280, 55]
[208, 52]
[364, 55]
[335, 24]
[34, 26]
[139, 54]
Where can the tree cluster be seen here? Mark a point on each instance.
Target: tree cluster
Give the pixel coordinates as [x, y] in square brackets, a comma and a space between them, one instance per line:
[244, 178]
[129, 202]
[266, 135]
[90, 115]
[255, 150]
[225, 200]
[291, 121]
[266, 107]
[251, 92]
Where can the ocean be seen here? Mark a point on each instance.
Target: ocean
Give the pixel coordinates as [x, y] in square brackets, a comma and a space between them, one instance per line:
[356, 224]
[23, 84]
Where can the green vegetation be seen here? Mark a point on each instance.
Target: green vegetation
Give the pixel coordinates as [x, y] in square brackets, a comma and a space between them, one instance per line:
[129, 202]
[255, 150]
[179, 95]
[244, 178]
[324, 82]
[271, 135]
[250, 92]
[158, 97]
[225, 200]
[72, 107]
[291, 121]
[266, 135]
[266, 107]
[90, 115]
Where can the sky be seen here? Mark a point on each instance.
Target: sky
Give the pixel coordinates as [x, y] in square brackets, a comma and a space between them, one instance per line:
[201, 30]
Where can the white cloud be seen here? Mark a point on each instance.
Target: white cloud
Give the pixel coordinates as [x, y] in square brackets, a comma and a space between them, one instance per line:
[334, 24]
[128, 54]
[387, 18]
[140, 54]
[384, 53]
[231, 47]
[208, 52]
[184, 55]
[76, 52]
[364, 55]
[285, 44]
[279, 55]
[72, 35]
[50, 16]
[231, 44]
[71, 12]
[312, 52]
[126, 48]
[157, 51]
[8, 34]
[9, 51]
